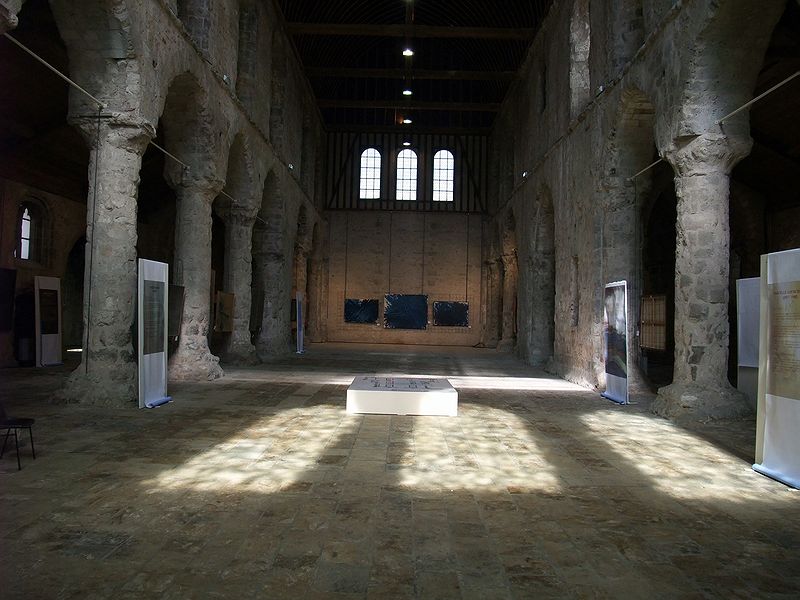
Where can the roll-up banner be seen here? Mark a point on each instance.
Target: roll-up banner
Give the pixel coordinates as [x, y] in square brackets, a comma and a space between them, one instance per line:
[48, 321]
[152, 307]
[748, 293]
[300, 325]
[778, 418]
[615, 319]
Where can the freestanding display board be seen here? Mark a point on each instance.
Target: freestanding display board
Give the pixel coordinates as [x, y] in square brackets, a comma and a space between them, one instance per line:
[748, 292]
[300, 324]
[152, 307]
[615, 301]
[778, 419]
[48, 321]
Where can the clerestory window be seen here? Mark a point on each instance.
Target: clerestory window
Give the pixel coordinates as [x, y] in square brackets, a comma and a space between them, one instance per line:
[370, 176]
[407, 175]
[443, 176]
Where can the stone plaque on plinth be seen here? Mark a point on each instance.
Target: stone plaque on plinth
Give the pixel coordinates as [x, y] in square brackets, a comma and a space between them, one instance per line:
[402, 396]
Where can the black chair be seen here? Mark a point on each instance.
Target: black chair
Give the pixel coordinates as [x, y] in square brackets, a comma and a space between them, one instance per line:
[9, 423]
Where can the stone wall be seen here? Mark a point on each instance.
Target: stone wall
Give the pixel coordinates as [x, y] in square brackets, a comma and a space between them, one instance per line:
[62, 226]
[373, 253]
[658, 85]
[172, 66]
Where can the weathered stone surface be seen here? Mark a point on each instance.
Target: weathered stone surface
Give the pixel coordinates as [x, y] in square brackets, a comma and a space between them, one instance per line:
[700, 387]
[508, 337]
[193, 359]
[107, 374]
[238, 275]
[688, 401]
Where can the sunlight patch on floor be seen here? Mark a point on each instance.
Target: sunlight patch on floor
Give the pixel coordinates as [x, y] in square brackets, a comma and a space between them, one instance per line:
[485, 449]
[671, 459]
[549, 384]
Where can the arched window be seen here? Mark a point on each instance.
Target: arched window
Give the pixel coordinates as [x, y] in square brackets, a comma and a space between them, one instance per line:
[29, 232]
[370, 178]
[25, 234]
[443, 175]
[407, 175]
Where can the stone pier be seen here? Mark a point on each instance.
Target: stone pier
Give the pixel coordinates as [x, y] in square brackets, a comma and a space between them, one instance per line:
[700, 389]
[494, 297]
[508, 319]
[107, 374]
[238, 277]
[193, 360]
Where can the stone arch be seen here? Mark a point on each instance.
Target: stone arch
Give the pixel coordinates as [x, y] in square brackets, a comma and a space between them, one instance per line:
[186, 123]
[732, 38]
[631, 148]
[196, 17]
[542, 318]
[240, 175]
[103, 61]
[633, 139]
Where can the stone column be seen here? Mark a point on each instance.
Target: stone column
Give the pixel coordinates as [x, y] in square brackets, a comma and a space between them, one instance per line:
[508, 336]
[272, 270]
[107, 374]
[700, 387]
[193, 360]
[275, 335]
[494, 298]
[238, 278]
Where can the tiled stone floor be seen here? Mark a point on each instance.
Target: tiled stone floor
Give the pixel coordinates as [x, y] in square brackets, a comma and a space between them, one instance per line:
[260, 486]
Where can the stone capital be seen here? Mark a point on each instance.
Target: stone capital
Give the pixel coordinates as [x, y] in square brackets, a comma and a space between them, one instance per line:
[509, 260]
[708, 153]
[129, 136]
[8, 14]
[243, 216]
[198, 188]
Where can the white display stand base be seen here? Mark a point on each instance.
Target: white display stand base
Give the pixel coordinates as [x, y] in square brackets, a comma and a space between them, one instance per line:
[402, 396]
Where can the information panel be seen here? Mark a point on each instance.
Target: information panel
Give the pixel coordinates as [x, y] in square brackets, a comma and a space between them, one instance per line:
[748, 293]
[300, 324]
[152, 332]
[616, 344]
[778, 423]
[48, 321]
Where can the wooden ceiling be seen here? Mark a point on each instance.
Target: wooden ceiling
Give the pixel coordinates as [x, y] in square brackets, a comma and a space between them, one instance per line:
[466, 54]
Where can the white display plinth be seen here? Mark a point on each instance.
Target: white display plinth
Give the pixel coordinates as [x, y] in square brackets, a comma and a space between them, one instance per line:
[402, 396]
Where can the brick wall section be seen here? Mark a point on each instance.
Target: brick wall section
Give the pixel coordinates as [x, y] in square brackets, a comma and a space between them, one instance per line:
[373, 253]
